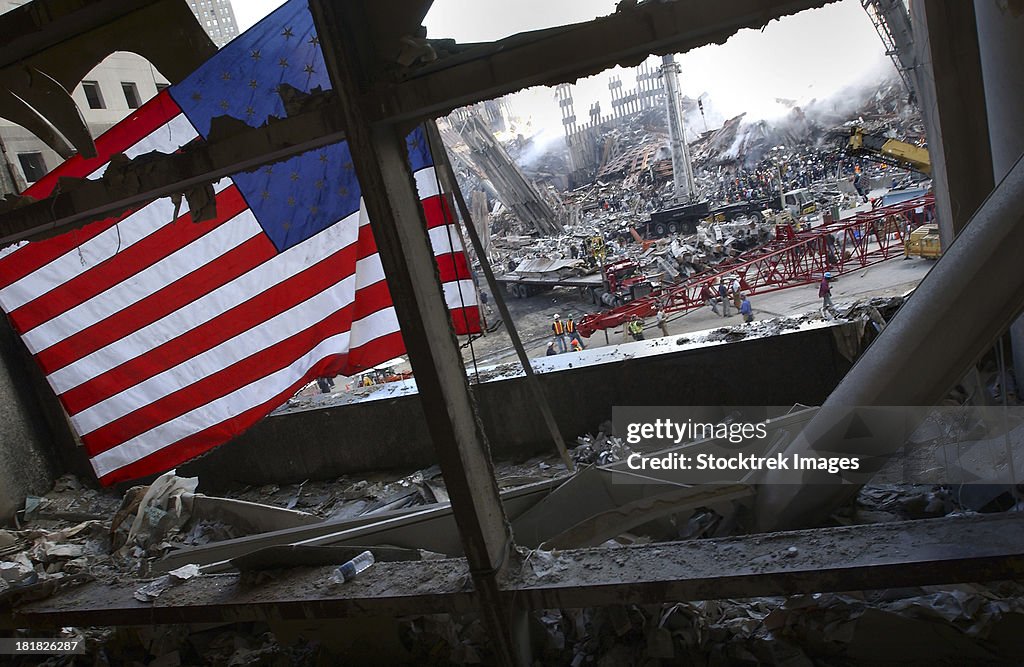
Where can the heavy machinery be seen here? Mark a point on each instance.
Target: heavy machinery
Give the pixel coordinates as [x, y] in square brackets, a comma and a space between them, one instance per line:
[615, 284]
[799, 202]
[795, 258]
[855, 141]
[684, 219]
[923, 242]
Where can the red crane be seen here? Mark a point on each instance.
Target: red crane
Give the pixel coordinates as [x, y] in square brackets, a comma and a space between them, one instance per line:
[792, 259]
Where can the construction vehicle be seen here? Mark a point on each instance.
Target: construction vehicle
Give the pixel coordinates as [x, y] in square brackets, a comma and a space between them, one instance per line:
[622, 284]
[923, 242]
[617, 283]
[684, 219]
[855, 141]
[795, 258]
[799, 202]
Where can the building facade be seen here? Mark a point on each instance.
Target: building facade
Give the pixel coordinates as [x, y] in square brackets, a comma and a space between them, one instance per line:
[217, 18]
[122, 82]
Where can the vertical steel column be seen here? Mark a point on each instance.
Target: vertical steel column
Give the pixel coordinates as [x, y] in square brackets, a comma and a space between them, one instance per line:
[399, 227]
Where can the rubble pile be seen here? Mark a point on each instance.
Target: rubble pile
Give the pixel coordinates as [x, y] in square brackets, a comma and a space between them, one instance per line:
[741, 161]
[600, 449]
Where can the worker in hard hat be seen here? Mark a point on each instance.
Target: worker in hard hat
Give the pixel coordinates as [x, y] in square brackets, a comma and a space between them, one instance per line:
[636, 328]
[569, 325]
[825, 293]
[558, 328]
[661, 320]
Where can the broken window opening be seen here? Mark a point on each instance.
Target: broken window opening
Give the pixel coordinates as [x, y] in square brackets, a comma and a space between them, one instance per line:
[131, 94]
[32, 165]
[93, 95]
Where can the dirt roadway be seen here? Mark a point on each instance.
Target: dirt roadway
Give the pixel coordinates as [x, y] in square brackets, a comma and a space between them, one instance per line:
[533, 315]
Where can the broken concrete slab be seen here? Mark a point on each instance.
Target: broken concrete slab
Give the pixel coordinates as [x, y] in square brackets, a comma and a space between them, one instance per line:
[431, 528]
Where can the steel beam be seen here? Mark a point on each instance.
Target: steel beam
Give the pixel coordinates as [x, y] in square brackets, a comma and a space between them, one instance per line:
[43, 24]
[567, 53]
[380, 156]
[951, 93]
[198, 164]
[868, 557]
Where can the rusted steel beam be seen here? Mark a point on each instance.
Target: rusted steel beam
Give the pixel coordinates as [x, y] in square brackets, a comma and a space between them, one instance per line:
[240, 149]
[567, 53]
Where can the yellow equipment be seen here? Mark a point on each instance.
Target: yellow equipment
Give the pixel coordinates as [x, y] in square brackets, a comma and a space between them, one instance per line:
[888, 151]
[923, 242]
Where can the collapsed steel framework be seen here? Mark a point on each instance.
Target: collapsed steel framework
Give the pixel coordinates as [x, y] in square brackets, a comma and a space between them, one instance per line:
[791, 260]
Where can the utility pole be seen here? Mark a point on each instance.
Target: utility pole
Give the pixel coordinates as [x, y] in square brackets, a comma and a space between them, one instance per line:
[682, 168]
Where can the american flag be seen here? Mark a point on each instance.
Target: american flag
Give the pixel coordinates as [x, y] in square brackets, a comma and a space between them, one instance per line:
[162, 337]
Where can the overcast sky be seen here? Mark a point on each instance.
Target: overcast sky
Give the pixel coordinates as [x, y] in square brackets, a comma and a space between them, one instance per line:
[801, 57]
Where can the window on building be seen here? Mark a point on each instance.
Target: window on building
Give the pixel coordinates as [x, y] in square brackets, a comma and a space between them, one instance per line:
[32, 166]
[131, 94]
[92, 94]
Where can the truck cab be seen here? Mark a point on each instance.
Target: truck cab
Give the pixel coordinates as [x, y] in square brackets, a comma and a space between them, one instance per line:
[799, 202]
[622, 284]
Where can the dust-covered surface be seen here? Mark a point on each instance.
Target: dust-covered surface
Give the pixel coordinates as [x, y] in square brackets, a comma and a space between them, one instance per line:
[595, 356]
[824, 628]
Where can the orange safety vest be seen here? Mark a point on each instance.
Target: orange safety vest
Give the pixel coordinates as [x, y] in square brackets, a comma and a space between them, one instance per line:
[570, 326]
[558, 327]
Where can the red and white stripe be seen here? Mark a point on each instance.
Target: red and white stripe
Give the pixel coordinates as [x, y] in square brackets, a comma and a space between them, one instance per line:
[163, 338]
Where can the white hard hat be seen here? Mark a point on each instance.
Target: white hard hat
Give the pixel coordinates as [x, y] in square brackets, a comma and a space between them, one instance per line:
[828, 274]
[556, 316]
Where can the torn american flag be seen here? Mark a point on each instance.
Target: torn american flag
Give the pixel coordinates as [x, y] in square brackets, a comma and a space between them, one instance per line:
[162, 337]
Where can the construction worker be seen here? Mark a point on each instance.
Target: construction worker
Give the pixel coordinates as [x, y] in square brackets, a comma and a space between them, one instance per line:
[558, 328]
[570, 330]
[551, 349]
[723, 294]
[745, 309]
[636, 328]
[707, 295]
[825, 292]
[734, 289]
[661, 321]
[576, 345]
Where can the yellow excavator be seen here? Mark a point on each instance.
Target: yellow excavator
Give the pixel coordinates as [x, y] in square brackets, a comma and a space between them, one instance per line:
[883, 149]
[923, 241]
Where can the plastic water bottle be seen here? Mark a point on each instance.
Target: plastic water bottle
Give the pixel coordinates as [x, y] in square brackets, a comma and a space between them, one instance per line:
[349, 570]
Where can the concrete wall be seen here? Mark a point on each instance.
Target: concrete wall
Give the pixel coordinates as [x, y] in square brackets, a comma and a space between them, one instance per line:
[797, 367]
[26, 464]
